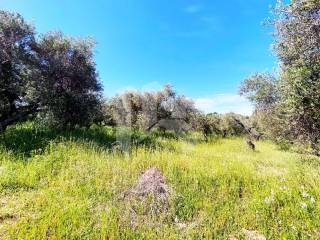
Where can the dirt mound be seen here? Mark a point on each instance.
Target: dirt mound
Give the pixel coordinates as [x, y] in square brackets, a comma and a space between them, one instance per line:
[248, 235]
[253, 235]
[148, 199]
[151, 182]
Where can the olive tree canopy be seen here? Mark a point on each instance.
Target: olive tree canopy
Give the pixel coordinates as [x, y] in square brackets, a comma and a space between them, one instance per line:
[16, 40]
[293, 100]
[298, 48]
[52, 74]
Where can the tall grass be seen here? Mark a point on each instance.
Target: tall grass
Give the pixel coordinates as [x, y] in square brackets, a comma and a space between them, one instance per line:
[58, 185]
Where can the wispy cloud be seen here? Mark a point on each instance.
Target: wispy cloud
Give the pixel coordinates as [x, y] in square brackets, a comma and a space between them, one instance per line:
[194, 8]
[204, 25]
[206, 29]
[148, 87]
[127, 88]
[224, 103]
[152, 87]
[194, 34]
[213, 23]
[209, 20]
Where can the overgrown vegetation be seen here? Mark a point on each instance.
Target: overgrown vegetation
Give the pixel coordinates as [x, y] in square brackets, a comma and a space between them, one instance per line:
[53, 77]
[288, 107]
[52, 74]
[68, 157]
[71, 188]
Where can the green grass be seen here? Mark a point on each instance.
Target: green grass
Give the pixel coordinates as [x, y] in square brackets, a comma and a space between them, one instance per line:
[57, 185]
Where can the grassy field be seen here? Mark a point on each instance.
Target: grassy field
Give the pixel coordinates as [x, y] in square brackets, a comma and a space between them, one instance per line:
[56, 185]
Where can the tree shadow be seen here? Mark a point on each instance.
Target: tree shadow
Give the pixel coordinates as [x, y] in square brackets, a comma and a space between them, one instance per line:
[25, 139]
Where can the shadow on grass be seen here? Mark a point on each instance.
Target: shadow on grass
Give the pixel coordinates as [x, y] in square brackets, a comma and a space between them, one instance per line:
[26, 138]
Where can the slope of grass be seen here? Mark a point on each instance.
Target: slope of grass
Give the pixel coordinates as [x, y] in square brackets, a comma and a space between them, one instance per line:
[67, 186]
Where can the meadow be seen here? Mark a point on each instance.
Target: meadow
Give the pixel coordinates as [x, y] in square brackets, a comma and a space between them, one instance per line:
[66, 185]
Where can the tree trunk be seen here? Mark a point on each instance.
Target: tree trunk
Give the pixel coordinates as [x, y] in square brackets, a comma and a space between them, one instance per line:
[315, 149]
[22, 116]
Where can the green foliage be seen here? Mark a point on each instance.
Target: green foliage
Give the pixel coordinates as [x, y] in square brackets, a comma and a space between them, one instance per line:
[163, 109]
[272, 124]
[229, 125]
[284, 145]
[297, 46]
[16, 39]
[209, 125]
[261, 89]
[71, 188]
[214, 125]
[25, 140]
[65, 82]
[288, 108]
[53, 74]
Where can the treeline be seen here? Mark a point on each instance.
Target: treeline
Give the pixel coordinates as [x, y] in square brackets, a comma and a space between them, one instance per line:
[166, 110]
[53, 77]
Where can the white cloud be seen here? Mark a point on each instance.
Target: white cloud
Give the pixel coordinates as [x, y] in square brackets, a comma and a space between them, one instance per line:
[126, 89]
[224, 103]
[148, 87]
[192, 8]
[152, 87]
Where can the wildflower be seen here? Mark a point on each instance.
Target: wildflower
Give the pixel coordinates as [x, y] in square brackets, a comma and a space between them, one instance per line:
[267, 200]
[312, 200]
[305, 194]
[304, 205]
[283, 188]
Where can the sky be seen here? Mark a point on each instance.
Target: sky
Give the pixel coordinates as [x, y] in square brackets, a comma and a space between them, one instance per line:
[204, 48]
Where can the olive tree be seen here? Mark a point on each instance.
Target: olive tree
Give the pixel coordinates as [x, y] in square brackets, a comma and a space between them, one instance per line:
[16, 40]
[268, 118]
[53, 74]
[148, 110]
[64, 82]
[290, 105]
[298, 48]
[168, 110]
[261, 89]
[208, 124]
[126, 108]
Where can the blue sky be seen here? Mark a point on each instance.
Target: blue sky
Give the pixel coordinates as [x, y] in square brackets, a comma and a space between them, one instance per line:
[204, 48]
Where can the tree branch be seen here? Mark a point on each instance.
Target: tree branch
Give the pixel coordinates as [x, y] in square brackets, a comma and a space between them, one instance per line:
[155, 123]
[22, 116]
